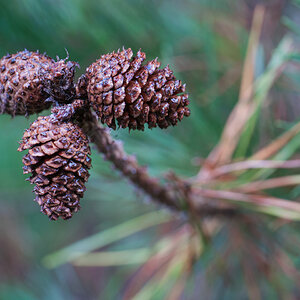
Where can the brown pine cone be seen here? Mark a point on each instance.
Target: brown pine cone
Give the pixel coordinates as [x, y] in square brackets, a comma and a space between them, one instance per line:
[121, 89]
[28, 79]
[59, 159]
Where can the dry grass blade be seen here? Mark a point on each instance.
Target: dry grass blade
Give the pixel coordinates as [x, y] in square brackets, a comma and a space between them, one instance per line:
[270, 205]
[156, 263]
[267, 257]
[252, 285]
[261, 185]
[104, 238]
[255, 164]
[287, 265]
[161, 280]
[193, 252]
[113, 258]
[172, 271]
[277, 144]
[242, 111]
[178, 288]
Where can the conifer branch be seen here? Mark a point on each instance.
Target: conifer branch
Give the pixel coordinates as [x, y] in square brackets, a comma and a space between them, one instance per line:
[171, 196]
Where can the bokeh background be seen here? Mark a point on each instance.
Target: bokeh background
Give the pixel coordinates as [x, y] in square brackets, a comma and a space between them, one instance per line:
[205, 43]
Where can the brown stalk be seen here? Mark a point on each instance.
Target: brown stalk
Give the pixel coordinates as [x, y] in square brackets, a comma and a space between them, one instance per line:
[256, 164]
[178, 287]
[196, 200]
[126, 164]
[170, 196]
[260, 185]
[264, 201]
[222, 153]
[277, 144]
[251, 283]
[157, 264]
[287, 265]
[242, 166]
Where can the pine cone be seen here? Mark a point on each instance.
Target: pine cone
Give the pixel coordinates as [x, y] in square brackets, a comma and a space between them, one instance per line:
[121, 89]
[28, 79]
[59, 159]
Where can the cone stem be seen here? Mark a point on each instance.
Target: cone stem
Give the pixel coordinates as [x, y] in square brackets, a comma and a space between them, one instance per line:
[174, 196]
[126, 164]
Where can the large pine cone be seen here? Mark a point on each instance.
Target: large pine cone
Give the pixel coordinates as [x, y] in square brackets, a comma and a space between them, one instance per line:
[59, 159]
[121, 89]
[28, 79]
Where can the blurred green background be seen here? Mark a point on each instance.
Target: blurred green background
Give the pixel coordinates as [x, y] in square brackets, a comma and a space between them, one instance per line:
[205, 43]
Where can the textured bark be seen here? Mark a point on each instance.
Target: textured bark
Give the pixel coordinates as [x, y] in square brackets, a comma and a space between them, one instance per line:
[177, 196]
[126, 164]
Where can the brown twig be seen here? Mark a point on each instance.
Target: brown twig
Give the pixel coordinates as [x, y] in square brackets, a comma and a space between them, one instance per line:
[258, 186]
[169, 196]
[127, 164]
[277, 144]
[244, 108]
[259, 200]
[256, 164]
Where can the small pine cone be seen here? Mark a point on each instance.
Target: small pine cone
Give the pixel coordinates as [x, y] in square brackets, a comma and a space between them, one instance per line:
[121, 89]
[59, 159]
[28, 79]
